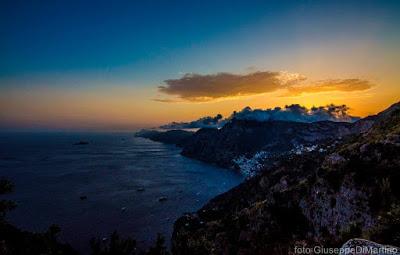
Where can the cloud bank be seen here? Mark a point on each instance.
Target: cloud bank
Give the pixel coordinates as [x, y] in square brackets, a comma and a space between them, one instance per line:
[213, 122]
[298, 113]
[197, 87]
[294, 112]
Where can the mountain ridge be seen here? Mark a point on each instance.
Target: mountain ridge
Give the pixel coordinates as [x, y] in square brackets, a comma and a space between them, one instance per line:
[316, 198]
[247, 137]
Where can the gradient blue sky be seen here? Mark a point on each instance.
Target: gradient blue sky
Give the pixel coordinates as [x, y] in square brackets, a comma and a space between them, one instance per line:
[96, 47]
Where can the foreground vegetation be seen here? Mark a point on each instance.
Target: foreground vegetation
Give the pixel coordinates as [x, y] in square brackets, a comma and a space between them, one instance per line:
[14, 241]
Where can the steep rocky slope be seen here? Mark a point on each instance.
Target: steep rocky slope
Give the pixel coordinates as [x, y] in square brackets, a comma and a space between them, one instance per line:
[246, 137]
[243, 138]
[349, 190]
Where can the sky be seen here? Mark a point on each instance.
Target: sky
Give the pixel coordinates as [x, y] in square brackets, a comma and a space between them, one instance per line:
[122, 65]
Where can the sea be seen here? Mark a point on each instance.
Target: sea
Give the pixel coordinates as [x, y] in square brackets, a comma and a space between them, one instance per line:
[113, 183]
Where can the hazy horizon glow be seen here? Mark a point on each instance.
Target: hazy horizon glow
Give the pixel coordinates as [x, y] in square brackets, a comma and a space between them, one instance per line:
[101, 66]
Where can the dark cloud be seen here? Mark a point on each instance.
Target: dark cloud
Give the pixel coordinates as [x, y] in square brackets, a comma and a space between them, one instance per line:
[344, 85]
[197, 87]
[296, 112]
[214, 122]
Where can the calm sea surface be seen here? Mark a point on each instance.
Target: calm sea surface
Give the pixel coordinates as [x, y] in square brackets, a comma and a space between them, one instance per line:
[50, 174]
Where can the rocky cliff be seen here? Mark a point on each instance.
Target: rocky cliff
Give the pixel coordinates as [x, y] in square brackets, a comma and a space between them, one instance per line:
[350, 189]
[178, 137]
[247, 137]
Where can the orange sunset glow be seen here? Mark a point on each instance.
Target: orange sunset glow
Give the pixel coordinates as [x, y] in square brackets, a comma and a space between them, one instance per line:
[358, 68]
[184, 127]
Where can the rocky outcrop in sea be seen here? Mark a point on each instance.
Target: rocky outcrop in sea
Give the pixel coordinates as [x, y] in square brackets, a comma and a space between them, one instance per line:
[178, 137]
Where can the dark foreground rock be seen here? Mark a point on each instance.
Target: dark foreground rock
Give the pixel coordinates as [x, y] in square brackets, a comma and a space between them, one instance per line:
[178, 137]
[14, 241]
[327, 198]
[362, 246]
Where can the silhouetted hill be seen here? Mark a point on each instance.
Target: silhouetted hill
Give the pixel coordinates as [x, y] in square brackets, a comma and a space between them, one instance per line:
[348, 190]
[246, 137]
[177, 137]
